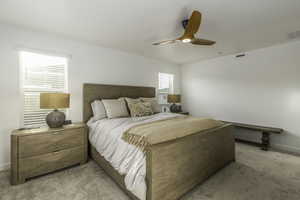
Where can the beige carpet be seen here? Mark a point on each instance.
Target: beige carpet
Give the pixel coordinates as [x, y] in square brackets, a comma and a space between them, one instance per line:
[257, 175]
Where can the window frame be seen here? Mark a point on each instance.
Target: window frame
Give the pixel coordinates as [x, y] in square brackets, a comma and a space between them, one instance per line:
[21, 79]
[162, 94]
[171, 88]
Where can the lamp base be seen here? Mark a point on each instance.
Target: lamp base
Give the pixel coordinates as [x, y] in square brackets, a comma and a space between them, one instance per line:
[175, 108]
[55, 119]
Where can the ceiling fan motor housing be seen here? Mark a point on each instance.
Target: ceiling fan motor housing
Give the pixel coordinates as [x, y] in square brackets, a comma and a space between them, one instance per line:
[185, 23]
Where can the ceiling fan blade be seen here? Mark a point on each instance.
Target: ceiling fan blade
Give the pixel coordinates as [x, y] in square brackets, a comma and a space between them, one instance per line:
[193, 24]
[202, 42]
[165, 42]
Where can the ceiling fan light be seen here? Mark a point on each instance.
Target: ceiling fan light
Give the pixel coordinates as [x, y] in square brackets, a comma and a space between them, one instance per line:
[187, 40]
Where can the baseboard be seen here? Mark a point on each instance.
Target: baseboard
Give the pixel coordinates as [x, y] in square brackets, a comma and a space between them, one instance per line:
[4, 167]
[286, 149]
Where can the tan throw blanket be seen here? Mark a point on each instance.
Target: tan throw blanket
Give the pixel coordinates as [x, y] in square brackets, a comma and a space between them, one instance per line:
[144, 135]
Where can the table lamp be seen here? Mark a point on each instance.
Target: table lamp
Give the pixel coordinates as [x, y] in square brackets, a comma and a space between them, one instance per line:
[56, 118]
[174, 98]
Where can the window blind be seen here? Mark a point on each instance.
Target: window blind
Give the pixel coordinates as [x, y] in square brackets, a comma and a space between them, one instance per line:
[165, 83]
[165, 87]
[41, 73]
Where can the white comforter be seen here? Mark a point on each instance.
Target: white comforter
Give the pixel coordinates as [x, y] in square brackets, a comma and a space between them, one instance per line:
[106, 136]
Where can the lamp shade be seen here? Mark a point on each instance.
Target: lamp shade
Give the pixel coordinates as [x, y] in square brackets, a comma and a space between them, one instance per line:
[174, 98]
[54, 100]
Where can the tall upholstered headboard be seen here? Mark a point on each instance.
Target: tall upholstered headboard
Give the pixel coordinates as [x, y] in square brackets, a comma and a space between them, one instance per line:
[92, 92]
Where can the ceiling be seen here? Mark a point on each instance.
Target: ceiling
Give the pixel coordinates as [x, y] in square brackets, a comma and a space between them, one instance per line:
[133, 25]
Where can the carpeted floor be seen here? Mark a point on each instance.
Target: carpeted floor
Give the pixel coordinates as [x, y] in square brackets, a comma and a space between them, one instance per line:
[257, 175]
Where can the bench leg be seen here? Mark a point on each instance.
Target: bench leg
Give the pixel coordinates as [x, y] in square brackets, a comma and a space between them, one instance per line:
[265, 139]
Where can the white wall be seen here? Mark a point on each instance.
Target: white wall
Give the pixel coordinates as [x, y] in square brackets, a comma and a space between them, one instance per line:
[88, 63]
[262, 88]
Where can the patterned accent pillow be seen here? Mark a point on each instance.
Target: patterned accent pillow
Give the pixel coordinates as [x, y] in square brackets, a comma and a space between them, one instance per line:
[155, 106]
[140, 109]
[130, 101]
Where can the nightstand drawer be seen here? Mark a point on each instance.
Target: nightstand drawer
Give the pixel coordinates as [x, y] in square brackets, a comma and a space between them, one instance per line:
[33, 145]
[37, 165]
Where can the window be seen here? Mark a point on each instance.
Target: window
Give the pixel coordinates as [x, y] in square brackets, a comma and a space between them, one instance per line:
[40, 73]
[165, 86]
[165, 83]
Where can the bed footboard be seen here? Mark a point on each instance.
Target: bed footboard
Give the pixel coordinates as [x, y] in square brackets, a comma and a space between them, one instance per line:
[174, 168]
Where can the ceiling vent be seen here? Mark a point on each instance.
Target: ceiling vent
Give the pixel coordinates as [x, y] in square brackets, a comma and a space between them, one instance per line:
[294, 35]
[240, 55]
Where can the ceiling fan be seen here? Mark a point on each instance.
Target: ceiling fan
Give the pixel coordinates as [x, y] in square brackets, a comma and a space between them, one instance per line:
[191, 27]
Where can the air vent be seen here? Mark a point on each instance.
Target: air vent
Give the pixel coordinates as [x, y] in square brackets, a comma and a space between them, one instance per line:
[240, 55]
[294, 35]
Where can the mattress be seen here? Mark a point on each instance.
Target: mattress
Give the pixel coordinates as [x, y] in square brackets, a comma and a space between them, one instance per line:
[106, 136]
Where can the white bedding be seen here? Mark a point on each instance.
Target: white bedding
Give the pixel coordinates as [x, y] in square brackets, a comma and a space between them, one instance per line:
[106, 136]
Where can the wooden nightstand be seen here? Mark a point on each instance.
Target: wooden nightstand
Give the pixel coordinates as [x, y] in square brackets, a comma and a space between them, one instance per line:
[39, 151]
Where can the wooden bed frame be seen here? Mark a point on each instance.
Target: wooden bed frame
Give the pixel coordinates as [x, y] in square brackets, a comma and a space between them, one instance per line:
[174, 167]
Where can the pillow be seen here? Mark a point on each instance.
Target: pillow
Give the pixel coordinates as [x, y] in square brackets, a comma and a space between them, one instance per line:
[115, 108]
[130, 101]
[98, 110]
[140, 109]
[154, 104]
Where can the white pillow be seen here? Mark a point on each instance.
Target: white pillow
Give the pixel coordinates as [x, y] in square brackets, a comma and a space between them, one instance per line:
[115, 108]
[155, 106]
[98, 110]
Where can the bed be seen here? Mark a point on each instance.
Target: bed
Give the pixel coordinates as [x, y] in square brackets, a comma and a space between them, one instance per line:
[174, 167]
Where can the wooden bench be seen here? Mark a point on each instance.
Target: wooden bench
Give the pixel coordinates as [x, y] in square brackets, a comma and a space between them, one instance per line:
[265, 131]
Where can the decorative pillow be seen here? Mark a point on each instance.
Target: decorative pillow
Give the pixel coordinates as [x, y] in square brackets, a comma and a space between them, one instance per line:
[130, 101]
[154, 104]
[140, 109]
[115, 108]
[98, 110]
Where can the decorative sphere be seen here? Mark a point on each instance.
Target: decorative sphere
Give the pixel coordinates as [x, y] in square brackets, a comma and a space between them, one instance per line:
[55, 119]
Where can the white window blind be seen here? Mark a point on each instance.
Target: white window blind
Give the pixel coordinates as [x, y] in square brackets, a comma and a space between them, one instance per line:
[40, 73]
[165, 86]
[165, 83]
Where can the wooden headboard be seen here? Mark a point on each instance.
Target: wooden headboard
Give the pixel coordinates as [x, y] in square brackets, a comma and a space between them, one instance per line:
[92, 92]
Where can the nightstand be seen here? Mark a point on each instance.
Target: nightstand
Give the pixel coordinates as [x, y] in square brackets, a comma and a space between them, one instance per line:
[39, 151]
